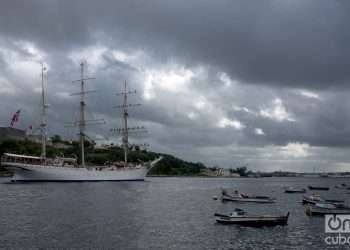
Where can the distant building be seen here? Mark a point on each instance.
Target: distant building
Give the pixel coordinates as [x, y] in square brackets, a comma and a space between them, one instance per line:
[215, 171]
[103, 146]
[60, 145]
[209, 172]
[227, 173]
[12, 133]
[17, 134]
[36, 138]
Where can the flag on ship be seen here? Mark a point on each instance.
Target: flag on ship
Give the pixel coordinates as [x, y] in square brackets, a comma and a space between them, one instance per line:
[15, 118]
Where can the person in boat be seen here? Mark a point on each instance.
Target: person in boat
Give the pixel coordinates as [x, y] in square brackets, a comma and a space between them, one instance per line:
[240, 195]
[223, 191]
[237, 194]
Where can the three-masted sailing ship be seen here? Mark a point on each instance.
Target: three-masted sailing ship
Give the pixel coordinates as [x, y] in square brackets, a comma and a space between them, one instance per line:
[42, 168]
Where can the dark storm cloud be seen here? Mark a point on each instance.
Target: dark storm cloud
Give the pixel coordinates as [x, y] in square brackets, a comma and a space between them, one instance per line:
[286, 43]
[51, 24]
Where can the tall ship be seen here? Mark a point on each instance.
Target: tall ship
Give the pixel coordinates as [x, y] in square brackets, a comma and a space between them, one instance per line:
[42, 168]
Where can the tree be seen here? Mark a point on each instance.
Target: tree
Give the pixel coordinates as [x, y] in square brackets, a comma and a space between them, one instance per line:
[56, 139]
[242, 171]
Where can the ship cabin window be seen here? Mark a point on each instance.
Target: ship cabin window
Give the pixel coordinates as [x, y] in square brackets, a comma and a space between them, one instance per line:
[21, 159]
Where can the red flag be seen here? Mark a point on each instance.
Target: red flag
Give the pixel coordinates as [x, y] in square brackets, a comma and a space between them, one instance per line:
[15, 118]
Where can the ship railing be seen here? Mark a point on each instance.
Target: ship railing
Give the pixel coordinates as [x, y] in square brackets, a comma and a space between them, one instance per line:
[23, 160]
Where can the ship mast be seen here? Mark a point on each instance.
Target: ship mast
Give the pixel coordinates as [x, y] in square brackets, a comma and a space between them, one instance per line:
[82, 115]
[125, 131]
[82, 121]
[43, 115]
[125, 134]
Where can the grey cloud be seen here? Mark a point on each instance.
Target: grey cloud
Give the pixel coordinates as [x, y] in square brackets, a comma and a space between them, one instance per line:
[264, 42]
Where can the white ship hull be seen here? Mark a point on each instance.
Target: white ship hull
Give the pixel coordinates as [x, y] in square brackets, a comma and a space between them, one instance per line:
[29, 172]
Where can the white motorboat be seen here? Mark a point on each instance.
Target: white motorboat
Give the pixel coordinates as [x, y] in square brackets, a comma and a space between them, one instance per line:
[239, 217]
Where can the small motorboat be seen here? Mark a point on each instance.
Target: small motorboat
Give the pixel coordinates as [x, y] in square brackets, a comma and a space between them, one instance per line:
[342, 186]
[320, 209]
[238, 197]
[239, 217]
[292, 190]
[318, 188]
[254, 199]
[327, 205]
[314, 198]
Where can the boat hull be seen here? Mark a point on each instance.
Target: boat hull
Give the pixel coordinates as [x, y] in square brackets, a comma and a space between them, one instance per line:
[306, 200]
[252, 200]
[313, 211]
[318, 188]
[303, 191]
[258, 221]
[28, 172]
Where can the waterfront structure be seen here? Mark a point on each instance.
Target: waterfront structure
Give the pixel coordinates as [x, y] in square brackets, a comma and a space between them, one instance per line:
[219, 172]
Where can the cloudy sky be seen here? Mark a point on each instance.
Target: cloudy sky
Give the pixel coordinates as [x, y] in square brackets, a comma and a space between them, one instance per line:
[224, 82]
